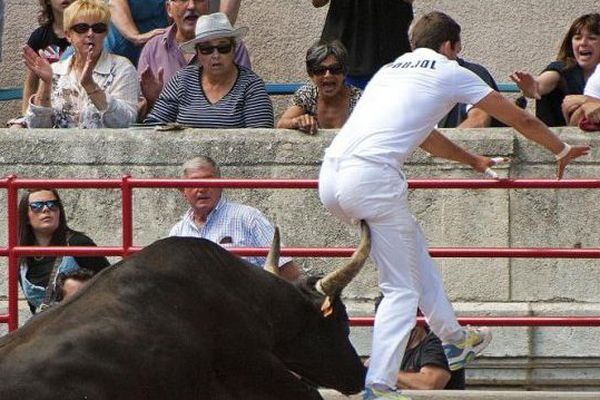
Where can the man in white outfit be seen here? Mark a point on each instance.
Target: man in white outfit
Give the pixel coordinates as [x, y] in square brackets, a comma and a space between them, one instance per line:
[361, 178]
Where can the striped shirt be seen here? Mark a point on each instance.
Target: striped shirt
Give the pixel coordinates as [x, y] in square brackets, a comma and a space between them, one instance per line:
[182, 100]
[231, 225]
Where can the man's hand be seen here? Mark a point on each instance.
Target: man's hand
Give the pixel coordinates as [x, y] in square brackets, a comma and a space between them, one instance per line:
[572, 153]
[151, 84]
[527, 83]
[141, 38]
[484, 165]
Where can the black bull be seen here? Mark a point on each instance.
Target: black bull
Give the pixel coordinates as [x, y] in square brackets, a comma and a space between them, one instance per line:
[185, 319]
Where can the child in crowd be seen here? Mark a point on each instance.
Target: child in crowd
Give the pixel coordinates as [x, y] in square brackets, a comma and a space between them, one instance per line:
[49, 41]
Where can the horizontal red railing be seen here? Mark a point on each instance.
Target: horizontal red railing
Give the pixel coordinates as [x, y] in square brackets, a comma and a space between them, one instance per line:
[126, 184]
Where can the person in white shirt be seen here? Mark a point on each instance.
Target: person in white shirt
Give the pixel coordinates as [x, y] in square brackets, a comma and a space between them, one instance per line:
[587, 106]
[361, 179]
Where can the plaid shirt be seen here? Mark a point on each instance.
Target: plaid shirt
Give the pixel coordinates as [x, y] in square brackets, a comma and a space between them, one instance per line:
[231, 225]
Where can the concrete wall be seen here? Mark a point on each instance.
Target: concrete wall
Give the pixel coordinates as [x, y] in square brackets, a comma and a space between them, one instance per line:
[525, 357]
[503, 35]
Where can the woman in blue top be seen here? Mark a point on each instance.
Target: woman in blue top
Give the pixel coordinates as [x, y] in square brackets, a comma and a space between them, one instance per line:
[42, 222]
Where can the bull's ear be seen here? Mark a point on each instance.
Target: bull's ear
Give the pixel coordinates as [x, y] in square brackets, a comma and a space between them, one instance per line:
[272, 262]
[326, 307]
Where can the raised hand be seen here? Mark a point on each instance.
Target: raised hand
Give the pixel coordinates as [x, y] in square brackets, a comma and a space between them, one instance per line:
[527, 83]
[86, 80]
[36, 64]
[151, 84]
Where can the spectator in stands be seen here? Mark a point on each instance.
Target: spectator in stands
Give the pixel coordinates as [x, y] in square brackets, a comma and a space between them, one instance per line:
[133, 23]
[90, 89]
[465, 115]
[69, 283]
[161, 56]
[228, 7]
[584, 110]
[366, 28]
[215, 93]
[42, 222]
[327, 101]
[213, 217]
[49, 41]
[576, 61]
[424, 364]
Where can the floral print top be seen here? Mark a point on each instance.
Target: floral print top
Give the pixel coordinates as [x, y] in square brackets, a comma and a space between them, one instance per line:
[72, 107]
[306, 98]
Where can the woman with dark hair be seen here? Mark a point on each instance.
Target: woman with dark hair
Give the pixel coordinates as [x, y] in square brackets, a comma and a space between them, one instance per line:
[577, 58]
[49, 41]
[42, 222]
[327, 101]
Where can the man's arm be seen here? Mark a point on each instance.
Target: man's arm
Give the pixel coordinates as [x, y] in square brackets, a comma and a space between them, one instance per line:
[231, 8]
[532, 128]
[121, 17]
[429, 377]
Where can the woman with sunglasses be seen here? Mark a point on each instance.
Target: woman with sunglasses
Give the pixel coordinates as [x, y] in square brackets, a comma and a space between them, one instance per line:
[214, 92]
[327, 101]
[42, 222]
[90, 89]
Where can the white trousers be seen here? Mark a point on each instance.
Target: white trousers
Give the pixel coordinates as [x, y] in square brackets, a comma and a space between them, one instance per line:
[354, 189]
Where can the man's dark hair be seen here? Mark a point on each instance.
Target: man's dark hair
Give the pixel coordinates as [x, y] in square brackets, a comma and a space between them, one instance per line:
[433, 30]
[80, 275]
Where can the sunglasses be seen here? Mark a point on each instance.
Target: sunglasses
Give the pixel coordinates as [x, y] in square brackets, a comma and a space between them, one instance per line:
[85, 28]
[334, 69]
[222, 49]
[38, 206]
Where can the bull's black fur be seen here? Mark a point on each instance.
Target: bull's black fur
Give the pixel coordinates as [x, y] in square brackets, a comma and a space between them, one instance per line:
[182, 319]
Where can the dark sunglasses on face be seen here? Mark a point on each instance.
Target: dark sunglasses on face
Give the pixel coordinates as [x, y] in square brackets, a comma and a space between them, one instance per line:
[222, 48]
[334, 69]
[38, 206]
[85, 28]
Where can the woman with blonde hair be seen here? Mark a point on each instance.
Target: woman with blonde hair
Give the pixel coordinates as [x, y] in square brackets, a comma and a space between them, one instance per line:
[89, 89]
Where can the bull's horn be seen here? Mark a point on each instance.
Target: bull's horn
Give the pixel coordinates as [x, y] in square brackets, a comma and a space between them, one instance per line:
[337, 280]
[272, 262]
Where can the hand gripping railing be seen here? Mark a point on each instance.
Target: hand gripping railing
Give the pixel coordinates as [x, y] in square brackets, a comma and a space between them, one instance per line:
[126, 184]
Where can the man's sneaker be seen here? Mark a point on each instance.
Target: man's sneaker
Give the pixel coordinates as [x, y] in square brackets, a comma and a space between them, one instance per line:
[381, 394]
[462, 353]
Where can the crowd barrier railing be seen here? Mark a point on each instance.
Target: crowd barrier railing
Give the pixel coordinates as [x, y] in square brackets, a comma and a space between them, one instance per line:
[274, 89]
[127, 184]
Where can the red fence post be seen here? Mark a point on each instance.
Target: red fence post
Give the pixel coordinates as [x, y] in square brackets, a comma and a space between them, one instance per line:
[13, 260]
[127, 214]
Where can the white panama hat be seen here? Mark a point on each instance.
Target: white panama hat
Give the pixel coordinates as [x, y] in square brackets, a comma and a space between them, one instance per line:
[213, 26]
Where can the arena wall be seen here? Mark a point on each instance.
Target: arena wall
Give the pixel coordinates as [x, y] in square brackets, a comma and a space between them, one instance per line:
[525, 357]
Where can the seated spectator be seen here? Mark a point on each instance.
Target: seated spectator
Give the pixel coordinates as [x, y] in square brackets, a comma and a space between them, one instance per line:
[576, 61]
[465, 115]
[89, 89]
[584, 110]
[213, 217]
[42, 222]
[49, 41]
[133, 23]
[162, 57]
[327, 101]
[69, 283]
[424, 364]
[215, 93]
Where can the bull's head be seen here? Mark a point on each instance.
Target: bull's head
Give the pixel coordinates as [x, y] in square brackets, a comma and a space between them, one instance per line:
[323, 353]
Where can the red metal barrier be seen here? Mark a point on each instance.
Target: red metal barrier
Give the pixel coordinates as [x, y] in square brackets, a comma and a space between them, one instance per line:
[126, 184]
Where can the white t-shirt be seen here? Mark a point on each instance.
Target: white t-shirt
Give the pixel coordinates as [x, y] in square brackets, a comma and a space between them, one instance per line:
[592, 87]
[402, 104]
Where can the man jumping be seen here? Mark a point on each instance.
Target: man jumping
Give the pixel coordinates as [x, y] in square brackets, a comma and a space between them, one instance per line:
[361, 178]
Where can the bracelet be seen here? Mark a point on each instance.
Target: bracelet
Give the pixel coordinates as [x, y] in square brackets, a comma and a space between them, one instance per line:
[98, 89]
[563, 152]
